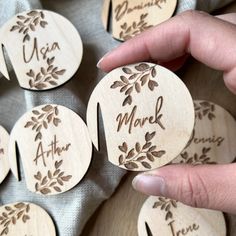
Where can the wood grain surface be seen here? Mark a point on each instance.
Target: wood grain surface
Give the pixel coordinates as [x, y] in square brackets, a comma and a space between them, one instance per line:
[118, 216]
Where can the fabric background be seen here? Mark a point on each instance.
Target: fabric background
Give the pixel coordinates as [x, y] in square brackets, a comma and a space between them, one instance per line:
[70, 210]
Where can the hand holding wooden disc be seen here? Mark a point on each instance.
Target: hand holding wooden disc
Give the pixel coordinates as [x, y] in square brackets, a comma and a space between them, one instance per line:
[165, 217]
[44, 48]
[54, 147]
[148, 116]
[23, 218]
[4, 163]
[213, 137]
[130, 18]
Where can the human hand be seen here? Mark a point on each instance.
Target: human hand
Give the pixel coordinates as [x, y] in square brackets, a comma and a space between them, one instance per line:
[210, 40]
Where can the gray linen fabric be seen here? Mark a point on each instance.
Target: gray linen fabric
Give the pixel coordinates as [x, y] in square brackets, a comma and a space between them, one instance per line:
[70, 210]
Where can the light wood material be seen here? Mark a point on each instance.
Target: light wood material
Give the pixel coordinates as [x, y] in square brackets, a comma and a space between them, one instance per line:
[4, 163]
[118, 215]
[130, 18]
[25, 219]
[54, 147]
[213, 138]
[45, 49]
[163, 216]
[143, 117]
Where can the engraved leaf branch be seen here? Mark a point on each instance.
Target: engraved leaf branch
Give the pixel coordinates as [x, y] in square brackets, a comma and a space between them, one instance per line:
[197, 159]
[135, 80]
[129, 31]
[140, 154]
[46, 75]
[42, 118]
[29, 22]
[12, 214]
[166, 205]
[204, 109]
[52, 181]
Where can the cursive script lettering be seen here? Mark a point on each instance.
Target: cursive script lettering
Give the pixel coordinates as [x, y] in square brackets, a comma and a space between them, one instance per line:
[54, 150]
[132, 121]
[36, 51]
[213, 139]
[183, 231]
[122, 9]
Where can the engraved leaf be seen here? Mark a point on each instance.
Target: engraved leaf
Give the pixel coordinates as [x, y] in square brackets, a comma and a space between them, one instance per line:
[124, 79]
[149, 136]
[144, 79]
[32, 27]
[211, 116]
[53, 83]
[146, 164]
[30, 73]
[28, 124]
[36, 112]
[57, 189]
[121, 159]
[56, 121]
[19, 205]
[141, 158]
[25, 218]
[117, 84]
[142, 67]
[47, 108]
[158, 154]
[38, 136]
[124, 147]
[26, 38]
[32, 13]
[129, 91]
[66, 178]
[60, 72]
[131, 165]
[41, 86]
[58, 164]
[43, 24]
[45, 191]
[147, 145]
[152, 84]
[169, 215]
[50, 61]
[38, 176]
[157, 204]
[8, 208]
[127, 70]
[138, 147]
[128, 100]
[150, 157]
[130, 154]
[15, 27]
[137, 87]
[153, 72]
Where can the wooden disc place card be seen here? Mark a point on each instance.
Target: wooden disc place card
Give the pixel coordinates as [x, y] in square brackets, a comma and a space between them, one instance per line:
[4, 163]
[148, 116]
[25, 219]
[44, 48]
[165, 217]
[129, 18]
[213, 137]
[54, 146]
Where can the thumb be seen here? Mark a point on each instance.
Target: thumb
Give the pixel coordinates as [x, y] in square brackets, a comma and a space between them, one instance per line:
[205, 186]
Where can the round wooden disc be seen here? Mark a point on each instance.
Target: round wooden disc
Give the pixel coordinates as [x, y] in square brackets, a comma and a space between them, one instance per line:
[213, 137]
[4, 164]
[22, 218]
[130, 18]
[165, 217]
[148, 116]
[44, 48]
[54, 146]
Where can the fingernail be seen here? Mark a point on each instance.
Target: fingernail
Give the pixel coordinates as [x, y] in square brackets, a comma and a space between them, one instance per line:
[149, 184]
[99, 62]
